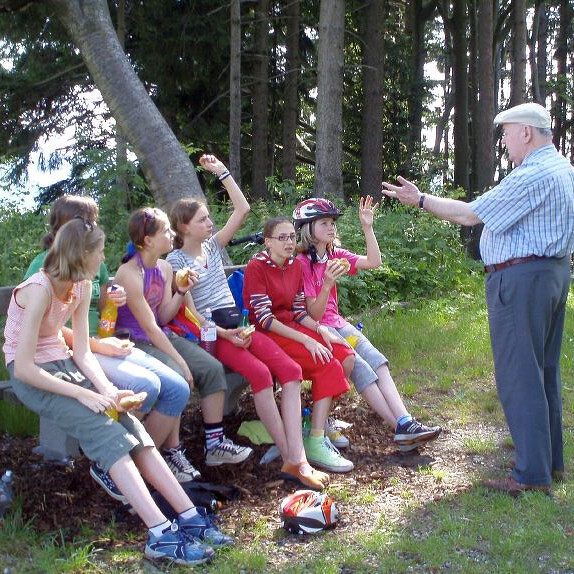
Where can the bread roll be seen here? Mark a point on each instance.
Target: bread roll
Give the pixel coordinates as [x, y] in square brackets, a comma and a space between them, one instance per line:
[248, 331]
[133, 400]
[343, 263]
[181, 277]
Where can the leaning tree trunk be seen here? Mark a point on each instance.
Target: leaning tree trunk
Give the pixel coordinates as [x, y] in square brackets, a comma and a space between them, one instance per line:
[329, 152]
[166, 167]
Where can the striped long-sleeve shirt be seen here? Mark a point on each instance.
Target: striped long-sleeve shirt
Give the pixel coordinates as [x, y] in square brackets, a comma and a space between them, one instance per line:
[531, 211]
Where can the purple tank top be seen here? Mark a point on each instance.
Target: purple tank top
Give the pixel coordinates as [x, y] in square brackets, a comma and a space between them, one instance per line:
[153, 288]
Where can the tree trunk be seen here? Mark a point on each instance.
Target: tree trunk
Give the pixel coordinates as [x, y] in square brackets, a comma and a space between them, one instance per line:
[484, 140]
[417, 15]
[518, 77]
[372, 120]
[461, 130]
[538, 58]
[291, 99]
[121, 144]
[561, 57]
[235, 92]
[260, 158]
[329, 151]
[166, 167]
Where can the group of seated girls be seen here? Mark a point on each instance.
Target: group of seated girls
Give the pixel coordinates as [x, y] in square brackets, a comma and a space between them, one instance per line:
[292, 302]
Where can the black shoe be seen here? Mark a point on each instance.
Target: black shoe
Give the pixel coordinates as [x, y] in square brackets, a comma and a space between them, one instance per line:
[413, 434]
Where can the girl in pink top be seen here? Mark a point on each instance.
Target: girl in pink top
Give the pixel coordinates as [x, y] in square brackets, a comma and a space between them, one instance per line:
[74, 393]
[315, 219]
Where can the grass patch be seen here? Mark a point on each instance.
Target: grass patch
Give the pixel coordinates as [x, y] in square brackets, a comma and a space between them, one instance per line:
[17, 420]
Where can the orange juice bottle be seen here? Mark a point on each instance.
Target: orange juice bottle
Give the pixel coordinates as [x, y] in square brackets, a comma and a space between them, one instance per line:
[108, 317]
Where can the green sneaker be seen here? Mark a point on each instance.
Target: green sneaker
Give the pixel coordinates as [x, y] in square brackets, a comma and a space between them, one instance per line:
[321, 452]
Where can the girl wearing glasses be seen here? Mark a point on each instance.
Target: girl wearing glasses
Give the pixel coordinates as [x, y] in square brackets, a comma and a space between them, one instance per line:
[273, 292]
[125, 366]
[323, 262]
[74, 393]
[257, 358]
[151, 304]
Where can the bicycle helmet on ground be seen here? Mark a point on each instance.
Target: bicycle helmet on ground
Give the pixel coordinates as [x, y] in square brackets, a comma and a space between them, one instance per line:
[314, 208]
[307, 511]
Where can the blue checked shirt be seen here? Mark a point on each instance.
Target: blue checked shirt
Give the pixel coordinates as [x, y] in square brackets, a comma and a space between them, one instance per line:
[531, 211]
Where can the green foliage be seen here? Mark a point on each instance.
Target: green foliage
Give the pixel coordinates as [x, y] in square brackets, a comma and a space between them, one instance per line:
[422, 256]
[20, 235]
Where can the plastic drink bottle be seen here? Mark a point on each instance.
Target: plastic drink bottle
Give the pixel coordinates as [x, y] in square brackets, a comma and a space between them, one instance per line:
[108, 316]
[208, 334]
[306, 421]
[244, 318]
[6, 495]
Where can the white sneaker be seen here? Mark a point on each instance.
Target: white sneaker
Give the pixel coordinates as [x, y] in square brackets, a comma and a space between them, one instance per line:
[227, 452]
[182, 469]
[335, 435]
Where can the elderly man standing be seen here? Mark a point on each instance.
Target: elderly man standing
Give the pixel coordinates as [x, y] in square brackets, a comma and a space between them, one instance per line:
[526, 242]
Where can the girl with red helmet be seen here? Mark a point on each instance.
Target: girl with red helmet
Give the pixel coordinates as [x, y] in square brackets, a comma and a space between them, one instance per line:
[323, 263]
[273, 293]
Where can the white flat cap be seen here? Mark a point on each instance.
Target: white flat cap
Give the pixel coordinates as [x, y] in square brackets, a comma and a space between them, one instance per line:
[529, 114]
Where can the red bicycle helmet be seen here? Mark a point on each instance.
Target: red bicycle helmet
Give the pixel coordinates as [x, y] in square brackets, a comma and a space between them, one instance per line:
[314, 208]
[307, 511]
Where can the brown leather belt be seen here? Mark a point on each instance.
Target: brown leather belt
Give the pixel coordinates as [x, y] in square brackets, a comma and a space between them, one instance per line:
[510, 262]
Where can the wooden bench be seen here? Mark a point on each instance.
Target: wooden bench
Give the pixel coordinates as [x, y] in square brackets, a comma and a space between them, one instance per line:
[55, 445]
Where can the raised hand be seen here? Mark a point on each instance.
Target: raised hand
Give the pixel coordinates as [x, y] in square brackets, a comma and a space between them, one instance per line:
[407, 192]
[367, 211]
[212, 164]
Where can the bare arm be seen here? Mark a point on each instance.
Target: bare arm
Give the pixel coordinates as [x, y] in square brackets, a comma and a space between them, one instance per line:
[451, 210]
[83, 356]
[366, 216]
[240, 205]
[132, 281]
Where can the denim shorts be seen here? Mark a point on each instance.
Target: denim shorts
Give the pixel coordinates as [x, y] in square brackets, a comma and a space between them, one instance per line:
[367, 359]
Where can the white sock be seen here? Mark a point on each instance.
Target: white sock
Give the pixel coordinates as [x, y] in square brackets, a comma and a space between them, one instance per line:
[189, 513]
[159, 529]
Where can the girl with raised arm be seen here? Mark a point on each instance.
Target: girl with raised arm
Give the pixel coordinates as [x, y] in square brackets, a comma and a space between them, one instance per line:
[273, 292]
[257, 357]
[323, 262]
[74, 393]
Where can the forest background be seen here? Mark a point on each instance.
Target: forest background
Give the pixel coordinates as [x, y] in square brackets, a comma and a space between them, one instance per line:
[298, 97]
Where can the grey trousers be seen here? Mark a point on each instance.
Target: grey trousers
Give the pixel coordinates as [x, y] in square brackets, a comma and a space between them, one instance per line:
[526, 309]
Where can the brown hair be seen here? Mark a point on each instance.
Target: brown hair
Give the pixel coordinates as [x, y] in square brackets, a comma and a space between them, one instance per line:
[65, 208]
[142, 223]
[272, 223]
[66, 259]
[182, 211]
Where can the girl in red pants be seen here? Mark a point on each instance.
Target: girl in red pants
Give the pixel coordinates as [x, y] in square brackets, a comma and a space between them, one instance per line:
[273, 292]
